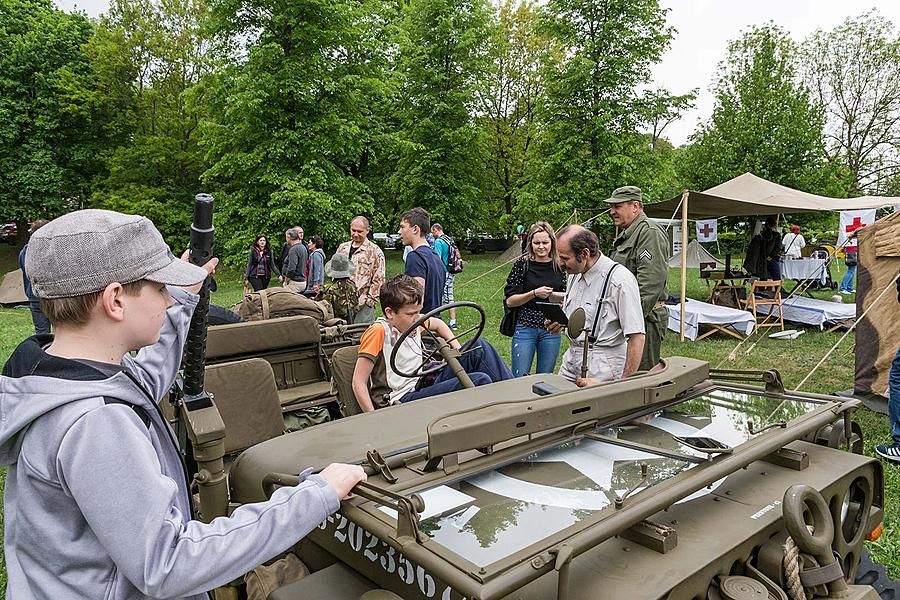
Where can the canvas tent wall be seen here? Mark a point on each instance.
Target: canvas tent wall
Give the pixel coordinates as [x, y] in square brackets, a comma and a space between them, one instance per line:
[696, 254]
[879, 262]
[12, 291]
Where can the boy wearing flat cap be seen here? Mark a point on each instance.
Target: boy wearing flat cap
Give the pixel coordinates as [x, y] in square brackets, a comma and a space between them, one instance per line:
[96, 500]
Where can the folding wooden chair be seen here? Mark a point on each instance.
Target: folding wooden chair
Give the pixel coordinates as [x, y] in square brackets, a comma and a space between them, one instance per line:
[771, 297]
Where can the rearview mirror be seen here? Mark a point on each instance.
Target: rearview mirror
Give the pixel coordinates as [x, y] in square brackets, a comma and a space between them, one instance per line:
[576, 323]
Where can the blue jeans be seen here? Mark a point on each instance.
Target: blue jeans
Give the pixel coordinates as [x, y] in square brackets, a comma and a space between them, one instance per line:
[483, 365]
[894, 398]
[774, 268]
[847, 281]
[528, 340]
[39, 319]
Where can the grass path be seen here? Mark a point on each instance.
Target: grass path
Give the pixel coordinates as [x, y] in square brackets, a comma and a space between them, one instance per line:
[482, 282]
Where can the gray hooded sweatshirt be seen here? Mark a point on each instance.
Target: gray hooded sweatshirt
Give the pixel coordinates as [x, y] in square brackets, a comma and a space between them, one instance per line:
[96, 502]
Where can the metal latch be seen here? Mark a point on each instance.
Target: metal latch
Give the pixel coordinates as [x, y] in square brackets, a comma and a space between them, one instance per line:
[377, 462]
[408, 508]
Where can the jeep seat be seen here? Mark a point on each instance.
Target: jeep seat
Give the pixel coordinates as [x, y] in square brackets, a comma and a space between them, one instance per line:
[292, 345]
[343, 361]
[245, 394]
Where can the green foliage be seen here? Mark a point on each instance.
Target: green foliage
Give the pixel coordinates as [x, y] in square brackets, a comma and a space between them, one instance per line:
[509, 105]
[763, 122]
[146, 56]
[854, 74]
[47, 147]
[592, 115]
[443, 59]
[290, 132]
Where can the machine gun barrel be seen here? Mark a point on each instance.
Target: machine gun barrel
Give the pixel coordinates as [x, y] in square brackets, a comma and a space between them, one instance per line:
[201, 250]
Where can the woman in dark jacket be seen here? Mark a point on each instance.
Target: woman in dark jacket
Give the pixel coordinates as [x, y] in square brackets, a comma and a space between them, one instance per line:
[260, 265]
[533, 278]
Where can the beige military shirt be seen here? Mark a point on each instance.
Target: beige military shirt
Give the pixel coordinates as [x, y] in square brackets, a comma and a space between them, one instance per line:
[617, 316]
[369, 275]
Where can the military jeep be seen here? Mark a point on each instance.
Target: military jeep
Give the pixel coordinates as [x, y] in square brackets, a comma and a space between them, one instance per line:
[686, 483]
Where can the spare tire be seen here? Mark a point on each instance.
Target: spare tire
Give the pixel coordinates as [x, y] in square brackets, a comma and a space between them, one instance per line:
[874, 574]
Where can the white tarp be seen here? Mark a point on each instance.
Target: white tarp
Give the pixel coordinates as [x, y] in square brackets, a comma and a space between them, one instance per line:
[813, 311]
[697, 313]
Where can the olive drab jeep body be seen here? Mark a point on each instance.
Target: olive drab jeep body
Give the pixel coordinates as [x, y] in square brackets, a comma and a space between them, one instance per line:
[678, 484]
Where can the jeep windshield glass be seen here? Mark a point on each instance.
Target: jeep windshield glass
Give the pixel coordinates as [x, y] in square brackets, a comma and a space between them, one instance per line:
[487, 517]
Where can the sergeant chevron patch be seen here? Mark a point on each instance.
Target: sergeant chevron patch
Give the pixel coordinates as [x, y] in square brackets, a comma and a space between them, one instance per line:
[646, 255]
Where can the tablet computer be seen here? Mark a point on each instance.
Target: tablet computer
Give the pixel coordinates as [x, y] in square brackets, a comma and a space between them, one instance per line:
[553, 312]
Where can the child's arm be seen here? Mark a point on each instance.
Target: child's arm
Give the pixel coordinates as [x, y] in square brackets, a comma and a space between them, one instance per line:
[360, 382]
[156, 366]
[108, 466]
[443, 330]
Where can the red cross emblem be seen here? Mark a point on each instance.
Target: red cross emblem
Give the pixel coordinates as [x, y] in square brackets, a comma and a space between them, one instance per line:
[856, 224]
[706, 230]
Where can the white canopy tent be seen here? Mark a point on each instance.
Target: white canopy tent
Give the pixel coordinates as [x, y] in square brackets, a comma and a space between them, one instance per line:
[749, 195]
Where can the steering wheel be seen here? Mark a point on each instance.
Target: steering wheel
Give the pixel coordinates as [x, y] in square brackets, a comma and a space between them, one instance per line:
[444, 354]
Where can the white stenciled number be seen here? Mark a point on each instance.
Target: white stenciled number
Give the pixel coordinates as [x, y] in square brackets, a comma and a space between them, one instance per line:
[373, 543]
[356, 537]
[426, 582]
[405, 570]
[339, 531]
[446, 595]
[387, 561]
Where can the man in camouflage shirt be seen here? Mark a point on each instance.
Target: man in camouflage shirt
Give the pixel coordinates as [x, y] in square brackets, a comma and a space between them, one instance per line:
[368, 260]
[340, 292]
[643, 248]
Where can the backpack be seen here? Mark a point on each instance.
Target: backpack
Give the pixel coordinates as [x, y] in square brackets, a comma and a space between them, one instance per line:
[281, 302]
[454, 258]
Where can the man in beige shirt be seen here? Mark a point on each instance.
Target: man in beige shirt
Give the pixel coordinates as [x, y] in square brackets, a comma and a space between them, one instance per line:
[609, 295]
[369, 261]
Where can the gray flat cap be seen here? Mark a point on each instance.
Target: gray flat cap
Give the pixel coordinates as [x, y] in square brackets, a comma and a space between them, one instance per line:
[84, 251]
[628, 193]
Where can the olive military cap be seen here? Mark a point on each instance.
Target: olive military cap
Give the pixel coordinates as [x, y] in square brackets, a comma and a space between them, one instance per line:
[628, 193]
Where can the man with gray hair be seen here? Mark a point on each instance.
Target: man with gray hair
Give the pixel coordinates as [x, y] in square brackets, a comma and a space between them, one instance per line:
[293, 274]
[368, 276]
[643, 248]
[609, 295]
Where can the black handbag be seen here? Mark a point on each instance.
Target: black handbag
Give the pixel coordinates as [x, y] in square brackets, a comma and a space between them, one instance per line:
[508, 324]
[510, 315]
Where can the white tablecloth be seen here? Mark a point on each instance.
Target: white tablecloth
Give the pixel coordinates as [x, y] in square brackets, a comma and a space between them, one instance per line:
[804, 268]
[696, 313]
[813, 311]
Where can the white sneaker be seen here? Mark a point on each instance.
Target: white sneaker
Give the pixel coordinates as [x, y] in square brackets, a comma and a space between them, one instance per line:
[846, 292]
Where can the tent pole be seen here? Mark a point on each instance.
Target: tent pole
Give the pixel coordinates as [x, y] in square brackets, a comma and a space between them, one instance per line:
[684, 236]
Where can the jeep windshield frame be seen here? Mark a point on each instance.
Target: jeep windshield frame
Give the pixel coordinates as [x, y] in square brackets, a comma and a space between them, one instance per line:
[494, 579]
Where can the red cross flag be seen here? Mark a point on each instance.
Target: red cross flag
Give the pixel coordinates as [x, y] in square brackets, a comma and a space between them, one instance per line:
[851, 220]
[707, 231]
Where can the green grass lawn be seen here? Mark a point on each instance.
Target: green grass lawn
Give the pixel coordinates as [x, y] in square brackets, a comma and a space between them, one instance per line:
[482, 282]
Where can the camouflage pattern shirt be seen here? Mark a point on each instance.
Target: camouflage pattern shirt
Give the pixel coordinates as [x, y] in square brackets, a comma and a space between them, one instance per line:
[369, 275]
[341, 294]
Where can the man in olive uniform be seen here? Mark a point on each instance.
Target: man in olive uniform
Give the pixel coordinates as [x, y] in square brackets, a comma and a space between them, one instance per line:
[643, 248]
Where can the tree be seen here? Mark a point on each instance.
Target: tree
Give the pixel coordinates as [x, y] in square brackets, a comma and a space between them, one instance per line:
[854, 74]
[292, 127]
[763, 121]
[46, 146]
[510, 102]
[593, 113]
[443, 58]
[146, 57]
